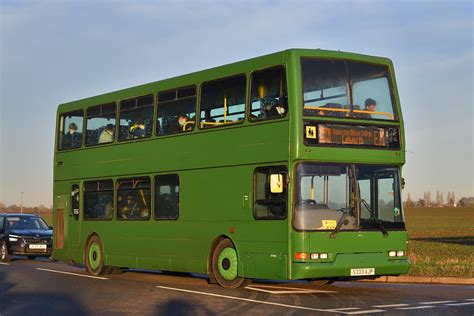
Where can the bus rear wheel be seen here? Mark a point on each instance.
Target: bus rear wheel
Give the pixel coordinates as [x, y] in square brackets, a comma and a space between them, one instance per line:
[224, 266]
[94, 257]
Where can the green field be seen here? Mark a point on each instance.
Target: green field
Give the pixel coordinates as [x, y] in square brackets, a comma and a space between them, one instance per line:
[441, 241]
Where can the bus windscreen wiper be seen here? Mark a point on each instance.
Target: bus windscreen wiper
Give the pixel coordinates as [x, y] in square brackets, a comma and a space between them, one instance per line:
[374, 218]
[341, 221]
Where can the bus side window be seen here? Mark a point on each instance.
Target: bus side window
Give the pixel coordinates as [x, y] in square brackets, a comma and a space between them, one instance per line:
[270, 201]
[167, 196]
[70, 130]
[100, 124]
[75, 201]
[98, 200]
[269, 98]
[223, 102]
[134, 198]
[136, 118]
[176, 111]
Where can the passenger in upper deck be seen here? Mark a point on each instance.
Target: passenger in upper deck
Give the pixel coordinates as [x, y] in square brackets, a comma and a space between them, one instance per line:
[271, 106]
[370, 105]
[72, 138]
[184, 123]
[107, 134]
[137, 129]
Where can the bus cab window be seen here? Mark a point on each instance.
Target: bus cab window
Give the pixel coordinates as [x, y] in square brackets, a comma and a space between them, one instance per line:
[167, 196]
[100, 124]
[176, 111]
[70, 130]
[223, 102]
[136, 118]
[268, 204]
[269, 98]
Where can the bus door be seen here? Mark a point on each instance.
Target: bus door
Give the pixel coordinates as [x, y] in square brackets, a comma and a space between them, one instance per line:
[73, 221]
[59, 225]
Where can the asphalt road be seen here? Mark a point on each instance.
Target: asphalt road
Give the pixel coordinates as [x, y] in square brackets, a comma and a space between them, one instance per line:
[42, 287]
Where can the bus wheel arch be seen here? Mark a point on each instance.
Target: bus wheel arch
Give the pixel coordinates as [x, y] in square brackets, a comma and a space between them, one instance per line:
[223, 264]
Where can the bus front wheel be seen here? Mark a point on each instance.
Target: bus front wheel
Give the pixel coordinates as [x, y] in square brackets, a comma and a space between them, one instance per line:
[225, 265]
[94, 256]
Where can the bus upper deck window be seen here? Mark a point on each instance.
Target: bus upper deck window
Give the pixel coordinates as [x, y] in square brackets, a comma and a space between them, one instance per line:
[223, 102]
[100, 124]
[269, 98]
[70, 130]
[176, 111]
[136, 118]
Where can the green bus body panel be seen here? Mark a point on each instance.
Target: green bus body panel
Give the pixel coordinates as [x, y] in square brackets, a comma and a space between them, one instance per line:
[216, 168]
[209, 149]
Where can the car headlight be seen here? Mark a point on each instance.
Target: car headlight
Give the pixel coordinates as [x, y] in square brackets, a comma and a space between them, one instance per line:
[13, 237]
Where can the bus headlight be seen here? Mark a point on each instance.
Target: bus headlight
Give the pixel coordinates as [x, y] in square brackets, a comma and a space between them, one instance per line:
[392, 253]
[316, 256]
[400, 253]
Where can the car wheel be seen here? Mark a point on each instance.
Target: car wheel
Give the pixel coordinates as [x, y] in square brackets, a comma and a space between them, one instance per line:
[4, 254]
[94, 256]
[32, 257]
[225, 264]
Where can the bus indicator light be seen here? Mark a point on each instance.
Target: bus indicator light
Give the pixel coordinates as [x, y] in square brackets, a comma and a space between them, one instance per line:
[232, 230]
[301, 255]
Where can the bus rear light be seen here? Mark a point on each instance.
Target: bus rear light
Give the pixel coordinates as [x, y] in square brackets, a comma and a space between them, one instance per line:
[392, 253]
[314, 256]
[301, 255]
[323, 256]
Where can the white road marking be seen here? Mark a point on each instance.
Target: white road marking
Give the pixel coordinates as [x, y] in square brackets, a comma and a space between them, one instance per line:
[283, 290]
[70, 273]
[417, 307]
[460, 304]
[390, 305]
[345, 309]
[287, 287]
[436, 302]
[365, 311]
[249, 300]
[300, 291]
[4, 263]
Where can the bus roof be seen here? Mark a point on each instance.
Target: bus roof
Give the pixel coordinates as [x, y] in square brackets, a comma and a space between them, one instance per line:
[215, 72]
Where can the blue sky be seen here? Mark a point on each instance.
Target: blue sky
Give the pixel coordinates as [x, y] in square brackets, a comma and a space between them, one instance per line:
[57, 51]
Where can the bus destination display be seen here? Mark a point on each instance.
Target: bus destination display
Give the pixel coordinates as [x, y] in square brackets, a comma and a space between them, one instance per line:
[346, 135]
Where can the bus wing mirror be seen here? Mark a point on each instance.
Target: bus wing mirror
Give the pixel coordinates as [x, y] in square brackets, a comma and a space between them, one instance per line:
[403, 183]
[276, 183]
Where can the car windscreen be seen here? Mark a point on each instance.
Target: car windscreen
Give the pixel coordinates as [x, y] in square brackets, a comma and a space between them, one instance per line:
[23, 222]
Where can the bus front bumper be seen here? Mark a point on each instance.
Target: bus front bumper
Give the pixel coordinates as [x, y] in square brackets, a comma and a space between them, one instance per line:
[344, 264]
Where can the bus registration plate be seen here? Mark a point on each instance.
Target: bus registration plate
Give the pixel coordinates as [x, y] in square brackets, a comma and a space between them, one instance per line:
[363, 271]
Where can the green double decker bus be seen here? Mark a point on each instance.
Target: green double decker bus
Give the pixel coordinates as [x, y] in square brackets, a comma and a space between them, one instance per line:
[285, 166]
